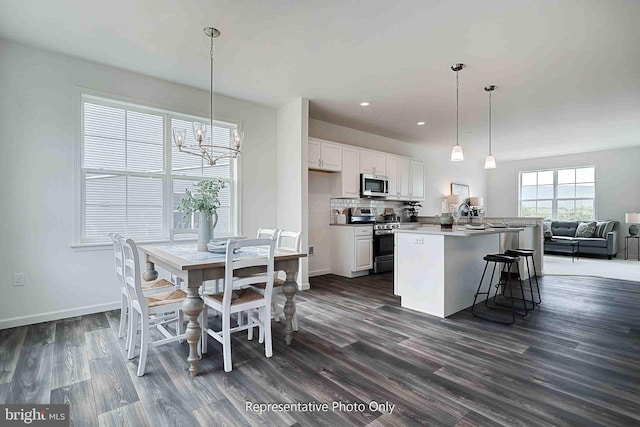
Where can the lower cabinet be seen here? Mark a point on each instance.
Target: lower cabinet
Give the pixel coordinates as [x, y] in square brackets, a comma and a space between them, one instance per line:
[351, 250]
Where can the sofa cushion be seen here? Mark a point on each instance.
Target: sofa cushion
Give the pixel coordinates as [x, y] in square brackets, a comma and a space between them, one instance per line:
[602, 228]
[592, 242]
[564, 228]
[546, 229]
[586, 229]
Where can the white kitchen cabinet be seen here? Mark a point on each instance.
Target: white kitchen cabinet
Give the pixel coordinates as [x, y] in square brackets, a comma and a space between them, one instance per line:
[324, 155]
[363, 254]
[347, 183]
[417, 181]
[351, 250]
[399, 173]
[394, 177]
[373, 162]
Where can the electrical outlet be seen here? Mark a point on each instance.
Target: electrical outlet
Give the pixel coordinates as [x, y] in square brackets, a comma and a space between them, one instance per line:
[18, 279]
[311, 248]
[419, 240]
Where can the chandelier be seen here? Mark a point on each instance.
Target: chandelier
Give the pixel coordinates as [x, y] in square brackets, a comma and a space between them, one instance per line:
[200, 147]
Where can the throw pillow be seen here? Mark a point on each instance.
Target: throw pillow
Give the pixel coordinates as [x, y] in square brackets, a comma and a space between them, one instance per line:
[600, 227]
[546, 230]
[586, 229]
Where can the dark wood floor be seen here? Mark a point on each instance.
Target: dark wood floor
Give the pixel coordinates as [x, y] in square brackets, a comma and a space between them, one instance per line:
[575, 361]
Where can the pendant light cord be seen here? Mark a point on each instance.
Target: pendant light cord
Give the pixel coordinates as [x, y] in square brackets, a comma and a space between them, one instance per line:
[211, 91]
[490, 123]
[457, 108]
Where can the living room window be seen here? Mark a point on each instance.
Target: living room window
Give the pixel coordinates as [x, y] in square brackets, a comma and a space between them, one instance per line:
[561, 194]
[132, 175]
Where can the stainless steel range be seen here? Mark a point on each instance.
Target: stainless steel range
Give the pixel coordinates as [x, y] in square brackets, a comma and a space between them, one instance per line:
[383, 245]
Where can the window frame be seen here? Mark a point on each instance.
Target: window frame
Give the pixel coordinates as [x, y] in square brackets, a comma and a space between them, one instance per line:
[166, 176]
[554, 201]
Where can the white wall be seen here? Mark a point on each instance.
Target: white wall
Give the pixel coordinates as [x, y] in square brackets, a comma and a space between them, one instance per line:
[319, 213]
[617, 179]
[37, 123]
[292, 180]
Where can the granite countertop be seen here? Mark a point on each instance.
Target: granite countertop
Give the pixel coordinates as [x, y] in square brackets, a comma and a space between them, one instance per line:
[460, 232]
[353, 225]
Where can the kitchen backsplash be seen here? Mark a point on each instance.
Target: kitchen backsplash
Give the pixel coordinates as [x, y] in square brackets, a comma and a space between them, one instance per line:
[380, 205]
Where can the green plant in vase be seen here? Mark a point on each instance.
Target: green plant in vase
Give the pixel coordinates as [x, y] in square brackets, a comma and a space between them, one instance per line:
[204, 200]
[412, 211]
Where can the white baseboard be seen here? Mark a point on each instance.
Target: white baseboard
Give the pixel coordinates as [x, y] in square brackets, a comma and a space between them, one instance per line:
[319, 272]
[304, 287]
[56, 315]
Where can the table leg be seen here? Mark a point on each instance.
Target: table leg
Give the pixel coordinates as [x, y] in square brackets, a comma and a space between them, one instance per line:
[289, 288]
[150, 273]
[192, 307]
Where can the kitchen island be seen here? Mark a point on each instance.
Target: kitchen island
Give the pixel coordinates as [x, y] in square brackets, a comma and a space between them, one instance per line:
[437, 271]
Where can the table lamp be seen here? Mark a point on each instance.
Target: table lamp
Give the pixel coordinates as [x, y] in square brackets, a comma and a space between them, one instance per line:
[632, 219]
[476, 202]
[454, 202]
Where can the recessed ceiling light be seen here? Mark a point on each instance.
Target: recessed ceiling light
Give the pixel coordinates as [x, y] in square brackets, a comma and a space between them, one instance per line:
[420, 123]
[365, 104]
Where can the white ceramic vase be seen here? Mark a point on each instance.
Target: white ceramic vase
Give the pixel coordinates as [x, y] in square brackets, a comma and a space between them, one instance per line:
[206, 226]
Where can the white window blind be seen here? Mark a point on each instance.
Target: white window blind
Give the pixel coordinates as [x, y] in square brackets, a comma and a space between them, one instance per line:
[123, 174]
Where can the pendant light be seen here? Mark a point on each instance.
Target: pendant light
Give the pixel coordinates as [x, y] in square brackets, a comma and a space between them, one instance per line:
[456, 152]
[490, 161]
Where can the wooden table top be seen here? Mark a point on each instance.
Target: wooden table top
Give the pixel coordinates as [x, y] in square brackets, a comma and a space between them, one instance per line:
[186, 257]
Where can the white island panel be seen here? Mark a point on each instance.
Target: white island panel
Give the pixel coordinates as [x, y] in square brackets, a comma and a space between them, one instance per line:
[438, 272]
[419, 265]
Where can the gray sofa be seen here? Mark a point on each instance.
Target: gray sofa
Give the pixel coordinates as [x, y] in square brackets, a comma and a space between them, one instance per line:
[604, 242]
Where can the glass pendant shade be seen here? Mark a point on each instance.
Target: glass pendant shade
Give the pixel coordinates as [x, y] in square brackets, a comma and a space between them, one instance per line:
[457, 155]
[490, 162]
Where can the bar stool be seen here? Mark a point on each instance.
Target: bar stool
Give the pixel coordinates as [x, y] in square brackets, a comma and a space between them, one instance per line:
[506, 261]
[528, 253]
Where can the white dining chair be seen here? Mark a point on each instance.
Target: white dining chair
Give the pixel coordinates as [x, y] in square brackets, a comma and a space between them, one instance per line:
[147, 311]
[148, 288]
[286, 241]
[238, 297]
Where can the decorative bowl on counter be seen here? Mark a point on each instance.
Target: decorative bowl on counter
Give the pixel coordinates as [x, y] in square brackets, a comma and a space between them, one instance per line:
[446, 220]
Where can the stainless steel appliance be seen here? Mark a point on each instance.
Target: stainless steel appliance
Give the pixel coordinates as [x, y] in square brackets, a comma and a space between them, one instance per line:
[383, 245]
[373, 185]
[361, 215]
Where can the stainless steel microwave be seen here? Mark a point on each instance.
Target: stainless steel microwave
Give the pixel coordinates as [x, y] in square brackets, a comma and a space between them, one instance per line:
[373, 185]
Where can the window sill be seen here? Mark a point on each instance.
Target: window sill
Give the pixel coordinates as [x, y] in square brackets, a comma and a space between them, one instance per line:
[87, 247]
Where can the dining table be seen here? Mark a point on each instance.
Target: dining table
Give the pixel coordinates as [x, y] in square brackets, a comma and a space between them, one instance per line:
[196, 267]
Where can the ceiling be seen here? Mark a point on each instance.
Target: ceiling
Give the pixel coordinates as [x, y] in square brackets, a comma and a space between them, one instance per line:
[567, 72]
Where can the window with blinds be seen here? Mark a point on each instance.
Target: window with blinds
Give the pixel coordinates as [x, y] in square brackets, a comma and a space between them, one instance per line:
[133, 176]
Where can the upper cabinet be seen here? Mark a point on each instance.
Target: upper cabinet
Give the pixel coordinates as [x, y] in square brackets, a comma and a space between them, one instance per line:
[347, 183]
[406, 176]
[324, 155]
[373, 162]
[402, 173]
[417, 181]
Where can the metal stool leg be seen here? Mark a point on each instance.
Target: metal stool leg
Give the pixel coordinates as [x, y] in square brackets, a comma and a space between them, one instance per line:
[535, 275]
[475, 298]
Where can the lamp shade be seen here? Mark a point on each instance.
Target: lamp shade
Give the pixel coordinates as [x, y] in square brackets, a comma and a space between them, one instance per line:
[490, 162]
[632, 218]
[457, 155]
[476, 201]
[454, 199]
